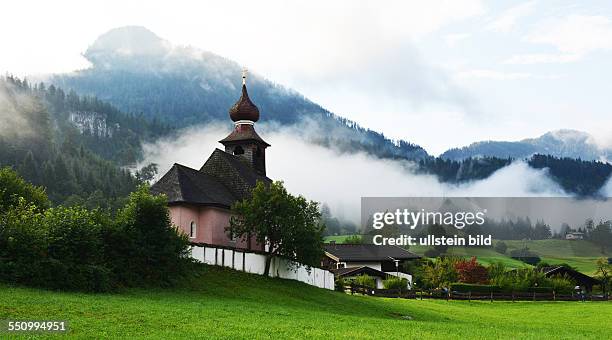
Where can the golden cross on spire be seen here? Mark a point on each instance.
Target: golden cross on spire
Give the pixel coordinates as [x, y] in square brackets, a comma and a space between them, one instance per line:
[244, 75]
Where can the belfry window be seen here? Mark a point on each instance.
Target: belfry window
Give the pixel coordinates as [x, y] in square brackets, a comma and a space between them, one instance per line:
[238, 150]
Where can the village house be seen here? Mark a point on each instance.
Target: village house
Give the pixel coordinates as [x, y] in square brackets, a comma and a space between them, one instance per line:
[199, 200]
[378, 261]
[574, 236]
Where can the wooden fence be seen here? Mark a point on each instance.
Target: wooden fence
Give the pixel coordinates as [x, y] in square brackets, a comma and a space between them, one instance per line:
[493, 296]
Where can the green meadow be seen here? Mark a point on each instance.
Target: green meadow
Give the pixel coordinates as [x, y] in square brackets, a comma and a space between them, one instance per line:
[221, 303]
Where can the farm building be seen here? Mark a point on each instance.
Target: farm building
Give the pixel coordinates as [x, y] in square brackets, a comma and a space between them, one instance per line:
[581, 279]
[574, 236]
[380, 262]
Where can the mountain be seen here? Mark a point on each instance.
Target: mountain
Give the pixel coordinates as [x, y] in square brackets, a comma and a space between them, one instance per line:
[560, 143]
[60, 142]
[141, 73]
[159, 85]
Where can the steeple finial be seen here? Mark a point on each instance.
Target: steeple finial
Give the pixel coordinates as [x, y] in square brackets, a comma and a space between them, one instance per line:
[244, 75]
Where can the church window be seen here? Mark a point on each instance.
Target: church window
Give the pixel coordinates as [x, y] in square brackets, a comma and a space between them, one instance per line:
[238, 150]
[192, 229]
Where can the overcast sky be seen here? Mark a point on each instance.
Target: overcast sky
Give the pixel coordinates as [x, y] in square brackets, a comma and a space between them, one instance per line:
[437, 73]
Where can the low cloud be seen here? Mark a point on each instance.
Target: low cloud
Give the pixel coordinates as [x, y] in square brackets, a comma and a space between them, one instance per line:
[341, 179]
[13, 123]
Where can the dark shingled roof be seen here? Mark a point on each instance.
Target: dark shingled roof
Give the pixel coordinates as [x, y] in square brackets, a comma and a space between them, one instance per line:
[244, 109]
[367, 252]
[238, 164]
[243, 132]
[186, 185]
[223, 180]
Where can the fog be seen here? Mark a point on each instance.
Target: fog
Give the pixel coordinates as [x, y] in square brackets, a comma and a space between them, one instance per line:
[13, 123]
[341, 179]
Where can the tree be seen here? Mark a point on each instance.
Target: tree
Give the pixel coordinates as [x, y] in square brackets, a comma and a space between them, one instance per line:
[440, 273]
[604, 273]
[289, 225]
[13, 188]
[602, 235]
[471, 271]
[143, 246]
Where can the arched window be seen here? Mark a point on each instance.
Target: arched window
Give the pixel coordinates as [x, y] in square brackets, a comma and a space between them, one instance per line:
[192, 229]
[258, 152]
[238, 150]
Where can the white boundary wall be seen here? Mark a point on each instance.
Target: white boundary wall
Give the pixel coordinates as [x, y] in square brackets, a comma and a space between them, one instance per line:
[255, 263]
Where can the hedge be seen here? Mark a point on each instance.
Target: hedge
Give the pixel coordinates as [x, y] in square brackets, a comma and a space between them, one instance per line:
[475, 288]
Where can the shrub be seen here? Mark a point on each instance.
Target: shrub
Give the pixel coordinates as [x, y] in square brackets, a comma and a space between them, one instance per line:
[440, 273]
[72, 248]
[496, 269]
[13, 188]
[365, 280]
[395, 283]
[339, 284]
[475, 288]
[471, 271]
[562, 284]
[501, 247]
[142, 247]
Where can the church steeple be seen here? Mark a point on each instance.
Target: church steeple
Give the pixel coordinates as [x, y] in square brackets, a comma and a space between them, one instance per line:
[244, 141]
[244, 109]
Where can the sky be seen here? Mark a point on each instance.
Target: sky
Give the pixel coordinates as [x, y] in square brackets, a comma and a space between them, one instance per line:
[440, 74]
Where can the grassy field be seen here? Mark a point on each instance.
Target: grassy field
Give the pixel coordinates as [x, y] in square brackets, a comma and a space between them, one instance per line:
[579, 254]
[221, 303]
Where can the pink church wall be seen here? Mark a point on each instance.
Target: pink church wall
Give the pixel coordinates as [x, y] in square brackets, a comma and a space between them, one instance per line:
[210, 225]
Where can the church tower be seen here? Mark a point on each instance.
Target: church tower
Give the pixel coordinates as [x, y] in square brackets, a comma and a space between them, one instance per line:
[244, 141]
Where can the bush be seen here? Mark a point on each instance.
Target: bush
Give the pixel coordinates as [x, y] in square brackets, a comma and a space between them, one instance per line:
[440, 273]
[474, 288]
[471, 271]
[432, 253]
[501, 247]
[562, 284]
[142, 247]
[395, 283]
[339, 284]
[365, 280]
[14, 188]
[72, 248]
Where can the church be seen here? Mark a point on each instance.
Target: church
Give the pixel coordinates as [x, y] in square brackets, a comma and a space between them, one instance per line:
[200, 200]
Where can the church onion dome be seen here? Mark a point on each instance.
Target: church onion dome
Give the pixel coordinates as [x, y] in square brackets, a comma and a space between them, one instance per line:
[244, 109]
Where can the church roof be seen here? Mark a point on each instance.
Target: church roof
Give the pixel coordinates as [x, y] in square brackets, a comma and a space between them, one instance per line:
[222, 180]
[243, 132]
[186, 185]
[244, 109]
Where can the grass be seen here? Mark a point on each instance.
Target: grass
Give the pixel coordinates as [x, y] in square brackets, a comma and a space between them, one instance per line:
[579, 254]
[221, 303]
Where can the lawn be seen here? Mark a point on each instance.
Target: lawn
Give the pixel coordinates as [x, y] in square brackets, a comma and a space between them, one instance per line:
[222, 303]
